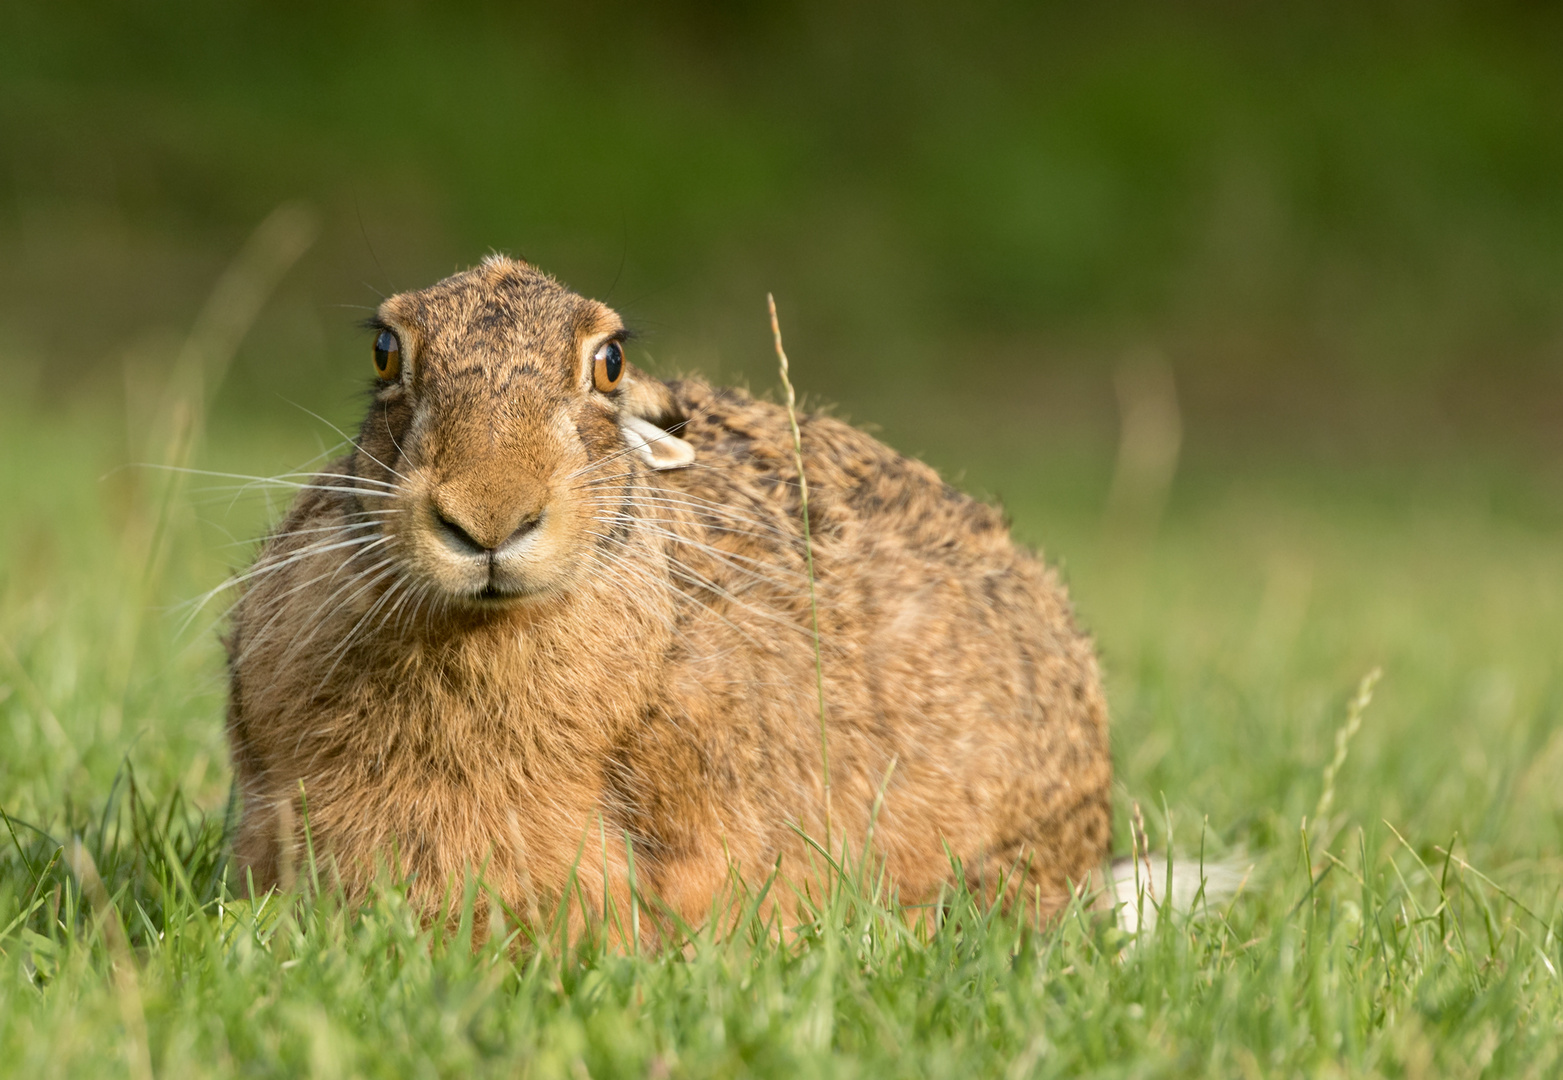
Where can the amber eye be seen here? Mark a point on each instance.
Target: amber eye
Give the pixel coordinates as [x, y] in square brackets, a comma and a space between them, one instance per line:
[608, 366]
[387, 356]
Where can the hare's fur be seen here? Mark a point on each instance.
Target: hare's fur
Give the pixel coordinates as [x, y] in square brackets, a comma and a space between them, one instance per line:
[631, 667]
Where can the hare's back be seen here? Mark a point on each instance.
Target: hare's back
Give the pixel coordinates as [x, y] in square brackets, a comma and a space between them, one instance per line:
[928, 612]
[865, 500]
[952, 666]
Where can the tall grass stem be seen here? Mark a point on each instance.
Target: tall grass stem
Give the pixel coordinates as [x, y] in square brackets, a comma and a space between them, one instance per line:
[808, 554]
[1348, 730]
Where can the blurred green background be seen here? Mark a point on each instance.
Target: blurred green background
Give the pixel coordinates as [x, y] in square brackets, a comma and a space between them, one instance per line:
[1251, 314]
[1340, 224]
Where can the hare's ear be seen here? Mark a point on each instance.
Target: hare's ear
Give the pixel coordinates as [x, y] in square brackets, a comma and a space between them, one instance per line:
[647, 411]
[659, 448]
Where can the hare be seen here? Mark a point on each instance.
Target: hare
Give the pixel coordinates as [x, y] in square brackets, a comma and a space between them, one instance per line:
[551, 621]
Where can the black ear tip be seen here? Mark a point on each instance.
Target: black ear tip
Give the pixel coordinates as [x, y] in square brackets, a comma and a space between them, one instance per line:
[671, 418]
[655, 401]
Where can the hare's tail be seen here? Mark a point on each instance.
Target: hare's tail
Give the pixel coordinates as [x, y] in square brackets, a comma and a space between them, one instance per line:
[1138, 889]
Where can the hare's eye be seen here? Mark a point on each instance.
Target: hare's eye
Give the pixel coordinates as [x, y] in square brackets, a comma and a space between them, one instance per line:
[387, 356]
[608, 366]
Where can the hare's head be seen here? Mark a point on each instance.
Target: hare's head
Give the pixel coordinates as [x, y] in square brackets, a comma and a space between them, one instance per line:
[506, 426]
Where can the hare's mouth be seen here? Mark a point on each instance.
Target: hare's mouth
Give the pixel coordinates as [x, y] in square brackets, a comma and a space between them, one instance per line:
[494, 595]
[484, 584]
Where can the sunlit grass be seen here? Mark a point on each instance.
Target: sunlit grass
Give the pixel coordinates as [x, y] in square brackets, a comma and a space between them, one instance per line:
[1412, 931]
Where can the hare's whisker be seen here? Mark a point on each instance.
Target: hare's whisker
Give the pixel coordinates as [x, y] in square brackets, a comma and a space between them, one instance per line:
[310, 532]
[687, 573]
[337, 476]
[280, 480]
[666, 434]
[350, 440]
[600, 463]
[699, 517]
[623, 571]
[364, 580]
[599, 481]
[339, 527]
[319, 547]
[341, 649]
[278, 607]
[696, 502]
[658, 525]
[684, 572]
[268, 567]
[732, 558]
[290, 485]
[408, 589]
[314, 621]
[638, 493]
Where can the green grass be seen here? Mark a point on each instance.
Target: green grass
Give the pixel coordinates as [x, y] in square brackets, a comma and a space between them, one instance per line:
[1234, 639]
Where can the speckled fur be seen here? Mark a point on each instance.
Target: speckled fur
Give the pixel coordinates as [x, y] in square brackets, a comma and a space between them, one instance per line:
[654, 675]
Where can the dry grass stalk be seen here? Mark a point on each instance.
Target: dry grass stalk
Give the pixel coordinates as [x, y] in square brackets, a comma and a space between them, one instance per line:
[808, 546]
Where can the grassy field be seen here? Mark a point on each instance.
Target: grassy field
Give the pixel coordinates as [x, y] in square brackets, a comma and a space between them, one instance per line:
[1413, 930]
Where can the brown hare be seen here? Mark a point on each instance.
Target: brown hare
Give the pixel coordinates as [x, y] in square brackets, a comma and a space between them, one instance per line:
[552, 617]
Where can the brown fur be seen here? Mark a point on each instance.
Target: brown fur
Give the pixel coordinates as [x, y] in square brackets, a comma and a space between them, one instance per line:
[643, 666]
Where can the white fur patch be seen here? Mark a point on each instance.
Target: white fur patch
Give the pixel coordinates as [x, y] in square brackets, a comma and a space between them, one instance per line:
[1139, 886]
[660, 449]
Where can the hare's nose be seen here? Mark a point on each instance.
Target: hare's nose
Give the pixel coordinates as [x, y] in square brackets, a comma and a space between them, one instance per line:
[457, 536]
[482, 534]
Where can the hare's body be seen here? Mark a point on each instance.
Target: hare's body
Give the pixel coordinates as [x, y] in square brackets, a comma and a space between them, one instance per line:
[650, 674]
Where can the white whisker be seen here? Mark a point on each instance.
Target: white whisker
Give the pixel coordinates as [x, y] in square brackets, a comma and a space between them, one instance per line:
[350, 440]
